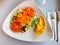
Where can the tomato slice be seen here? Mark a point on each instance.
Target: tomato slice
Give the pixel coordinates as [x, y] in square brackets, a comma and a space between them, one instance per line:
[16, 27]
[30, 11]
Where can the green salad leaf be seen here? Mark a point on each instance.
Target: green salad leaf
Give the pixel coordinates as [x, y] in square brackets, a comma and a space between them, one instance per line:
[34, 22]
[13, 18]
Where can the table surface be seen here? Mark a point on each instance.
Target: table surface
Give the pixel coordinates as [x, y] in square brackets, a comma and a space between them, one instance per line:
[6, 7]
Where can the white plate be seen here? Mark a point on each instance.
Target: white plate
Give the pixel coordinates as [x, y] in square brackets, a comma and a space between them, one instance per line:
[29, 35]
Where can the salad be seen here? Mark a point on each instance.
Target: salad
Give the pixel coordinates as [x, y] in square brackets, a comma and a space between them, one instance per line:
[23, 19]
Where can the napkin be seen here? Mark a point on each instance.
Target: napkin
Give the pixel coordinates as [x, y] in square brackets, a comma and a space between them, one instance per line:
[51, 20]
[52, 23]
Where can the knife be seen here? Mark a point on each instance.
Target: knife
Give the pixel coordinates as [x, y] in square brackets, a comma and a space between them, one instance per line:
[56, 25]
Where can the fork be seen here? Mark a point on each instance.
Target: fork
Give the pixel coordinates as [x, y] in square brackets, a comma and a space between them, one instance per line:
[52, 17]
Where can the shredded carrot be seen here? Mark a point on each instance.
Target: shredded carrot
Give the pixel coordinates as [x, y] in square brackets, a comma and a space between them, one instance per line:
[27, 19]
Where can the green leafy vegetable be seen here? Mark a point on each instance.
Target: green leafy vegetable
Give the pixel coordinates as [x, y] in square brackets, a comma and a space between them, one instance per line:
[13, 18]
[34, 22]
